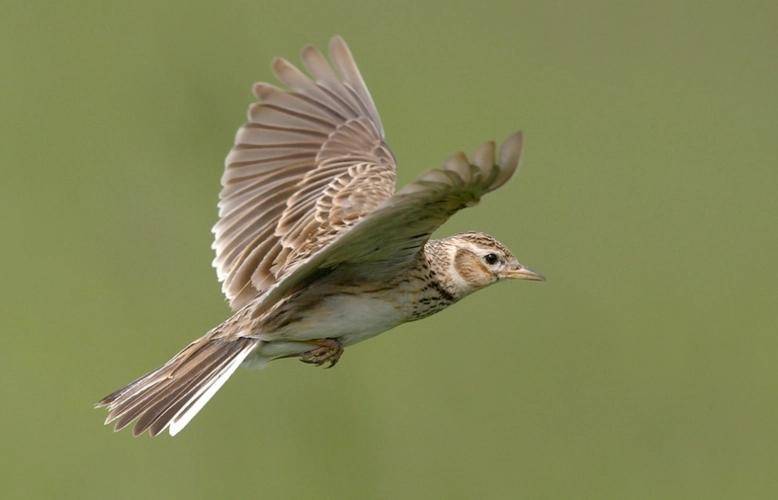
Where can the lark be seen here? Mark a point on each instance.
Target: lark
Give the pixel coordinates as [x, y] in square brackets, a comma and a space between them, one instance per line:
[315, 248]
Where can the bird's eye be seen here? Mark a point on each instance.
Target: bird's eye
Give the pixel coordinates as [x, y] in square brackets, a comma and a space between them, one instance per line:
[491, 258]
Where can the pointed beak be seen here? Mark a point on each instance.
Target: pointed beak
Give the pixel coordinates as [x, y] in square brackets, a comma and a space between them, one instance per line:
[522, 273]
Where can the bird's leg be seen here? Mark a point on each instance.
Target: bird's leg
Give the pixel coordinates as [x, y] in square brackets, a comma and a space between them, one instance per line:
[326, 350]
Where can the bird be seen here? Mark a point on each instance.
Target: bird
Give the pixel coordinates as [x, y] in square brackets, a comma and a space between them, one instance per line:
[315, 247]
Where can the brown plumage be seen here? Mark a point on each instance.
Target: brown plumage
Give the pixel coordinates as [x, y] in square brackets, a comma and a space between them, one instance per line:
[315, 249]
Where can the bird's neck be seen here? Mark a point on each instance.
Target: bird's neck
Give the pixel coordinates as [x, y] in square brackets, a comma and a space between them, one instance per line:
[437, 259]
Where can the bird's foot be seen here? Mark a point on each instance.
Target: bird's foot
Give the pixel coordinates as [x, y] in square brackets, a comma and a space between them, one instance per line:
[326, 350]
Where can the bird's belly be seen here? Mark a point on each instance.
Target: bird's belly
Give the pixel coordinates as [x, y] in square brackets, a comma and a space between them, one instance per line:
[347, 317]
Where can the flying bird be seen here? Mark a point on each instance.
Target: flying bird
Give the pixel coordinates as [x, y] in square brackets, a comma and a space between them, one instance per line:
[315, 248]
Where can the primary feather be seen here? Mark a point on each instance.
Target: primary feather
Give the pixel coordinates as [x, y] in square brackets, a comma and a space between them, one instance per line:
[310, 161]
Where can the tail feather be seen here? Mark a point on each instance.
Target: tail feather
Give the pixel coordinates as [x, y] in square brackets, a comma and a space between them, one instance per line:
[147, 402]
[204, 393]
[169, 399]
[170, 396]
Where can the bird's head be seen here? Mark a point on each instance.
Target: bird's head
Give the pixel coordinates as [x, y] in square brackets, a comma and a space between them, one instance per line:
[476, 260]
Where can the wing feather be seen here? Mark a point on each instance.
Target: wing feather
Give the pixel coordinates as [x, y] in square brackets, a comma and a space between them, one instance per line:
[310, 183]
[300, 142]
[395, 231]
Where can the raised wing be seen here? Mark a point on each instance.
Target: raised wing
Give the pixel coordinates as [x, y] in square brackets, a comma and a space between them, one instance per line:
[310, 162]
[395, 231]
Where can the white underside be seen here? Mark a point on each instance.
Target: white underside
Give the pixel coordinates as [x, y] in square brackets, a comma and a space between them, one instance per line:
[348, 318]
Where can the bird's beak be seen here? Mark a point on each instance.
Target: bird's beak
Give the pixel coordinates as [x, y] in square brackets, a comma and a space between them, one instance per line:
[522, 273]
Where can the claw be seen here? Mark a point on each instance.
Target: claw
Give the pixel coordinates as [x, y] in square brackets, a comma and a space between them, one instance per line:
[327, 350]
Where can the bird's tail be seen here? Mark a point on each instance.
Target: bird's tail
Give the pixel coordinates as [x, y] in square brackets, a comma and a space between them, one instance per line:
[170, 396]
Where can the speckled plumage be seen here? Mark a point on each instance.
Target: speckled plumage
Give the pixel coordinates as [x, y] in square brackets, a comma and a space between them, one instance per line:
[315, 247]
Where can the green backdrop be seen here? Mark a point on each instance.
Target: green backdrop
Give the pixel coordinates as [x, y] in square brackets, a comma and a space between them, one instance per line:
[644, 368]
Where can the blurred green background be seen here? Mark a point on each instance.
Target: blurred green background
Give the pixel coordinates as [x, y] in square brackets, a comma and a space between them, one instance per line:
[644, 368]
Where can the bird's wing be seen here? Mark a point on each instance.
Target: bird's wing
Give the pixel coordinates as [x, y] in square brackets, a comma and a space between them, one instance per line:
[395, 231]
[309, 163]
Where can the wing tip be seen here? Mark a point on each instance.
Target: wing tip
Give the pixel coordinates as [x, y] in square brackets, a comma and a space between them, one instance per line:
[460, 165]
[309, 51]
[283, 69]
[510, 157]
[483, 157]
[510, 150]
[278, 62]
[337, 41]
[263, 90]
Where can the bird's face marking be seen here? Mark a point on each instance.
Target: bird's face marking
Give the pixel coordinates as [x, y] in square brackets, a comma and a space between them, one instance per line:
[478, 260]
